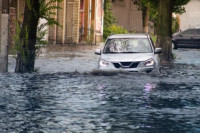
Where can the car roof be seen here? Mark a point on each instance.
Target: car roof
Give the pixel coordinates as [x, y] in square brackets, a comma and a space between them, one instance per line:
[138, 35]
[198, 27]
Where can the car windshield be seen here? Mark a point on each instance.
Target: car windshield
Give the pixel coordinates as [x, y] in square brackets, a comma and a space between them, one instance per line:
[131, 45]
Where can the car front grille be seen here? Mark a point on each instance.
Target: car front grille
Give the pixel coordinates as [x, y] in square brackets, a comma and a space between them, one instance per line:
[126, 64]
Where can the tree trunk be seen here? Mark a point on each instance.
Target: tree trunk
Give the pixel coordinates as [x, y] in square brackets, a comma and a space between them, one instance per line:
[164, 29]
[26, 58]
[145, 19]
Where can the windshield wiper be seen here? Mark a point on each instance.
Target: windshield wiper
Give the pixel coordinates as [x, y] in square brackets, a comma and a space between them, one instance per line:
[130, 52]
[112, 52]
[121, 52]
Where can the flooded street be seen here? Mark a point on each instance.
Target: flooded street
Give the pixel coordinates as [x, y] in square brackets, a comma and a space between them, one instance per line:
[68, 94]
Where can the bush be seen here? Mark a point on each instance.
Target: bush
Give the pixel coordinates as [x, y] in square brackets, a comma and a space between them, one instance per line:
[154, 38]
[113, 29]
[175, 25]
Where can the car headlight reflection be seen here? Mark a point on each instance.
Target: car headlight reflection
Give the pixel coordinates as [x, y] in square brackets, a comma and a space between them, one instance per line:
[149, 62]
[103, 63]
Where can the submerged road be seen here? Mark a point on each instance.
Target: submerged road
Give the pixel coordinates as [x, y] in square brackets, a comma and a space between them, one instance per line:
[67, 95]
[82, 58]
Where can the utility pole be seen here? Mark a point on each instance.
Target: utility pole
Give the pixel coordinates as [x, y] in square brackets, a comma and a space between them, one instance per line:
[4, 35]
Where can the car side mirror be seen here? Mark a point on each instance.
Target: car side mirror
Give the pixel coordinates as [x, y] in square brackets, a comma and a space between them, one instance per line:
[158, 50]
[180, 35]
[98, 51]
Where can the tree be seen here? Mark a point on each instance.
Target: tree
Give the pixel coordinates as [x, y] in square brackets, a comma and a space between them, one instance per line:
[177, 7]
[149, 10]
[144, 6]
[110, 22]
[160, 12]
[164, 28]
[109, 18]
[165, 8]
[26, 44]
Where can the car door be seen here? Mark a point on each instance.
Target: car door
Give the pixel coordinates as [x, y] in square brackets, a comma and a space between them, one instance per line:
[186, 37]
[197, 38]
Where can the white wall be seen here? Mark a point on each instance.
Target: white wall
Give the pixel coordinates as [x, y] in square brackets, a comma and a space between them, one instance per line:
[44, 21]
[191, 18]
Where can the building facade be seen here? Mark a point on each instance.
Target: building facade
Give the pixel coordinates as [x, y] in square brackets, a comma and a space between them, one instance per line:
[191, 18]
[81, 20]
[128, 15]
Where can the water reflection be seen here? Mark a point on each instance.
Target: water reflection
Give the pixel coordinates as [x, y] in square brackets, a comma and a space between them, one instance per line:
[149, 87]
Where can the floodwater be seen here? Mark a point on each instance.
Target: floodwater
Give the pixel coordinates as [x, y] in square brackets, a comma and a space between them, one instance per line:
[68, 95]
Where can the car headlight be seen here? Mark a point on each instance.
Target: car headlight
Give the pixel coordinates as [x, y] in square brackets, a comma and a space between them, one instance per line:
[149, 62]
[103, 63]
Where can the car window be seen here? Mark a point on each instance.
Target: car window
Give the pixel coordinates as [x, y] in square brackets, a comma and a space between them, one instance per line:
[131, 45]
[198, 32]
[188, 32]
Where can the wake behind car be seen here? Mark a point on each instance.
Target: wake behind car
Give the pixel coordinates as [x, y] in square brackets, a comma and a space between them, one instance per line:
[189, 38]
[129, 52]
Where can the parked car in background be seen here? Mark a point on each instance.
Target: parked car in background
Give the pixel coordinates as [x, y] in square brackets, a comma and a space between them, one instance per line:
[129, 52]
[189, 38]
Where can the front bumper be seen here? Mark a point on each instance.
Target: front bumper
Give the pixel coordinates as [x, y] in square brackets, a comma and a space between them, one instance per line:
[138, 69]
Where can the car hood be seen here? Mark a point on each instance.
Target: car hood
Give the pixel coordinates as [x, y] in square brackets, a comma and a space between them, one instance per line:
[136, 57]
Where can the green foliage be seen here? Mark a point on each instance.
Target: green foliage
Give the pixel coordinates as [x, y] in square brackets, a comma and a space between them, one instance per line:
[110, 26]
[21, 45]
[109, 18]
[142, 4]
[153, 4]
[154, 38]
[47, 11]
[178, 6]
[175, 25]
[40, 40]
[114, 29]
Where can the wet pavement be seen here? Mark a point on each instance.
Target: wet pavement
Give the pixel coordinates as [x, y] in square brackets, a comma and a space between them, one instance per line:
[68, 94]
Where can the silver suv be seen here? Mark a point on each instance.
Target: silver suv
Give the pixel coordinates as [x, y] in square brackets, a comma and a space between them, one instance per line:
[129, 52]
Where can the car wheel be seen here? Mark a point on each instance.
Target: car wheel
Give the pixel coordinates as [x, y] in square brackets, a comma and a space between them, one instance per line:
[149, 71]
[174, 46]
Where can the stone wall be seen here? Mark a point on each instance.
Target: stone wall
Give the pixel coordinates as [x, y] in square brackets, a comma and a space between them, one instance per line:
[69, 32]
[4, 43]
[52, 29]
[20, 8]
[76, 21]
[60, 19]
[12, 27]
[68, 17]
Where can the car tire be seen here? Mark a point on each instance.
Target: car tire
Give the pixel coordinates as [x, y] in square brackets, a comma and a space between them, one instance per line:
[174, 46]
[148, 72]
